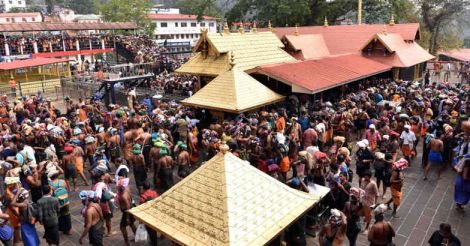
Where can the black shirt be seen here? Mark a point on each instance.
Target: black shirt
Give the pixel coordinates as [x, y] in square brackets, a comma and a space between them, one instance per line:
[437, 239]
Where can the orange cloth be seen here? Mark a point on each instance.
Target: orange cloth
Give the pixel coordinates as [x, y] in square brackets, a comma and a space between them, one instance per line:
[396, 97]
[396, 196]
[14, 220]
[100, 75]
[280, 124]
[285, 164]
[79, 164]
[82, 115]
[406, 150]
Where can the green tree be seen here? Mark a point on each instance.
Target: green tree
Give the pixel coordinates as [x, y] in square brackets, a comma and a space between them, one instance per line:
[82, 7]
[200, 8]
[129, 10]
[279, 12]
[437, 15]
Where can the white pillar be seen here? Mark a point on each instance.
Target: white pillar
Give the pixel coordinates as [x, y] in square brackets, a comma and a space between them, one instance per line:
[77, 44]
[21, 48]
[89, 41]
[50, 46]
[7, 49]
[63, 45]
[35, 47]
[103, 46]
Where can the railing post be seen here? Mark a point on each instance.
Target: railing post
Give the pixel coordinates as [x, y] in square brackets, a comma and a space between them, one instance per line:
[19, 86]
[42, 83]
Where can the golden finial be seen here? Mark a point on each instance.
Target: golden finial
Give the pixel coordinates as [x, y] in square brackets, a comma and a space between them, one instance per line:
[385, 30]
[226, 30]
[224, 148]
[232, 59]
[254, 29]
[241, 29]
[392, 21]
[296, 32]
[270, 27]
[325, 22]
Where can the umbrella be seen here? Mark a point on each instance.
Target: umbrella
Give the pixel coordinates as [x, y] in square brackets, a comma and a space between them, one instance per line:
[404, 116]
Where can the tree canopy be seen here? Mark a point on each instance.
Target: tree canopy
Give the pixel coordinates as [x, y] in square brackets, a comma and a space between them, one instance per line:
[129, 10]
[80, 7]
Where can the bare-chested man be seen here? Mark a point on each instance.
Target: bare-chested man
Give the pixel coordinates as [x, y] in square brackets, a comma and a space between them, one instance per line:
[78, 154]
[183, 160]
[114, 145]
[154, 156]
[165, 169]
[382, 232]
[125, 203]
[436, 146]
[145, 139]
[93, 224]
[136, 160]
[68, 164]
[128, 141]
[90, 149]
[101, 137]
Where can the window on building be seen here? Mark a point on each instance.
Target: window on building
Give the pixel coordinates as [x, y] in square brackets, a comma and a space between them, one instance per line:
[11, 2]
[163, 24]
[8, 19]
[202, 24]
[19, 2]
[211, 24]
[193, 24]
[13, 20]
[176, 24]
[24, 19]
[33, 19]
[184, 24]
[187, 36]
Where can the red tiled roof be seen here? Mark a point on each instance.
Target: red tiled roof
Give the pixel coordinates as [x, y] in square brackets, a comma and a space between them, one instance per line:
[458, 54]
[310, 46]
[343, 39]
[30, 14]
[177, 17]
[404, 54]
[323, 74]
[30, 26]
[34, 62]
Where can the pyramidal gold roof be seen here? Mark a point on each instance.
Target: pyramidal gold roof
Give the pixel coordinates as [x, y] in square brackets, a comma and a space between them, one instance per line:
[210, 66]
[225, 202]
[233, 91]
[249, 50]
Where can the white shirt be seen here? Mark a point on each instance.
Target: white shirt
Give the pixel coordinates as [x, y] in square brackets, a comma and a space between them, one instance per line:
[408, 138]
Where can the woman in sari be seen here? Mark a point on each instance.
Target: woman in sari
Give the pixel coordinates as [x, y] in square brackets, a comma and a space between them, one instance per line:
[462, 185]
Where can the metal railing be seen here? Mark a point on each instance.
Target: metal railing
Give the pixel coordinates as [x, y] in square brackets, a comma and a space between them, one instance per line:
[50, 88]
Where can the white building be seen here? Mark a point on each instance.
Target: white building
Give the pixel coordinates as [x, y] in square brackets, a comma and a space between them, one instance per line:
[9, 18]
[180, 32]
[8, 4]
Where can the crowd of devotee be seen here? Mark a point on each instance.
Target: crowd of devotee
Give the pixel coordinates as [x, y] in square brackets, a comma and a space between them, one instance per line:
[358, 145]
[53, 42]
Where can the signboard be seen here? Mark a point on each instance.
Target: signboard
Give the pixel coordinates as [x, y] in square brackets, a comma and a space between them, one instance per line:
[15, 57]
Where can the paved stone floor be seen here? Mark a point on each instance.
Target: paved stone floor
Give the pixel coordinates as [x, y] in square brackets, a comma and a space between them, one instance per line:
[424, 206]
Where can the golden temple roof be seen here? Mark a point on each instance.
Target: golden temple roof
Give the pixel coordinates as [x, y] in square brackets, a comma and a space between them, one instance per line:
[250, 50]
[233, 91]
[225, 202]
[210, 66]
